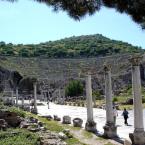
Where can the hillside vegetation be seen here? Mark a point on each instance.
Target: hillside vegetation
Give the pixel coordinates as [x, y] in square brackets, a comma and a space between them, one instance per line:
[73, 47]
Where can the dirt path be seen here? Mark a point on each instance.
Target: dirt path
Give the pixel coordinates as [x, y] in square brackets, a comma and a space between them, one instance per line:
[91, 139]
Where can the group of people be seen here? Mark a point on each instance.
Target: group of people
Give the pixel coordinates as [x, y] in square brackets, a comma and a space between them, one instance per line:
[124, 114]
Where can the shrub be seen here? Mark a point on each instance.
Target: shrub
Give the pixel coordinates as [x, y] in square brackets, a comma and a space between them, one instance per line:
[74, 88]
[19, 112]
[115, 99]
[143, 100]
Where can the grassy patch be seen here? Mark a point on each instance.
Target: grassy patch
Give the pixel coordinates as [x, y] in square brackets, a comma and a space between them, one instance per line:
[51, 125]
[19, 112]
[18, 137]
[128, 107]
[24, 137]
[71, 127]
[74, 141]
[87, 134]
[56, 127]
[101, 139]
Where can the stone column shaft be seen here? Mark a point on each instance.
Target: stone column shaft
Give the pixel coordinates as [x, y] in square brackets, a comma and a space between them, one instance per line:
[13, 99]
[17, 95]
[89, 99]
[35, 96]
[138, 110]
[12, 94]
[110, 129]
[90, 124]
[138, 136]
[108, 94]
[22, 101]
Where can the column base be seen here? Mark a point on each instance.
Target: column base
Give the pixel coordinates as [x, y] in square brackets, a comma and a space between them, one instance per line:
[34, 111]
[91, 126]
[22, 106]
[110, 130]
[138, 137]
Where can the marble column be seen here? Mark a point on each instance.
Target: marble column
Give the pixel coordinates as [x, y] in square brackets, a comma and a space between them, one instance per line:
[138, 136]
[22, 101]
[35, 97]
[110, 130]
[12, 97]
[59, 100]
[12, 94]
[17, 95]
[90, 124]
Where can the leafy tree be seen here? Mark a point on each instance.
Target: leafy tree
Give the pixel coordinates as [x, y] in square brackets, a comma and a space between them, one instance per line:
[2, 44]
[74, 88]
[80, 46]
[24, 52]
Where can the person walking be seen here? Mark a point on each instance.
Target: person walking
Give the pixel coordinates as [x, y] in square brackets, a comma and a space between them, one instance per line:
[115, 114]
[125, 115]
[48, 104]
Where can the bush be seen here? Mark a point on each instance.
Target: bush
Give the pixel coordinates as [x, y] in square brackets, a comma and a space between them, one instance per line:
[74, 88]
[143, 100]
[115, 99]
[19, 112]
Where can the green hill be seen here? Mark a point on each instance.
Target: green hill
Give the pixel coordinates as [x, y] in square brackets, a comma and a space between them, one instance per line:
[73, 47]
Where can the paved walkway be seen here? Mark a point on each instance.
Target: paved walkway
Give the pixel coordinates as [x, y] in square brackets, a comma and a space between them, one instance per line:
[81, 112]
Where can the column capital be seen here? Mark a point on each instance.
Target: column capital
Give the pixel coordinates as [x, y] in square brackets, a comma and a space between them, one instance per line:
[88, 74]
[135, 60]
[107, 67]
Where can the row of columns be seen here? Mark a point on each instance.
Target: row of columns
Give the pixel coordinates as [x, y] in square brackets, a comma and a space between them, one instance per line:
[110, 129]
[35, 98]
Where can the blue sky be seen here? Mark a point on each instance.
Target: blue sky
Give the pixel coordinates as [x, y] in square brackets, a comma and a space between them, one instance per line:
[28, 22]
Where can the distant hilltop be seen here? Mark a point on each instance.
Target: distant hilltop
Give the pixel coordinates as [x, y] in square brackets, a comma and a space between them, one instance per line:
[59, 61]
[73, 47]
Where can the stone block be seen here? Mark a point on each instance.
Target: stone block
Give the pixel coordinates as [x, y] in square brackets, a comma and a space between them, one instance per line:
[3, 124]
[24, 124]
[11, 118]
[127, 142]
[62, 136]
[77, 122]
[66, 120]
[56, 118]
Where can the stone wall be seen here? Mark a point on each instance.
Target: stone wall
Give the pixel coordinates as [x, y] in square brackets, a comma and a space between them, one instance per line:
[58, 72]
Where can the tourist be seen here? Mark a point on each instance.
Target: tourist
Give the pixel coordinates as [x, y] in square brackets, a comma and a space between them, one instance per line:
[48, 104]
[115, 114]
[125, 115]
